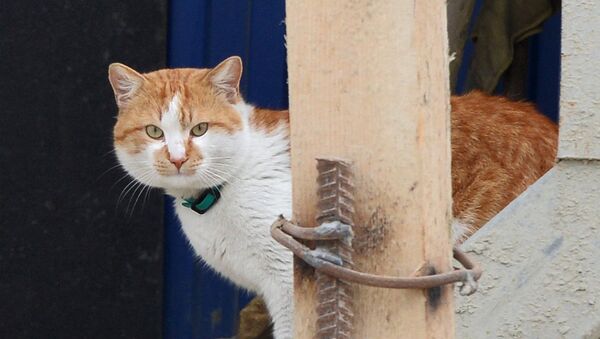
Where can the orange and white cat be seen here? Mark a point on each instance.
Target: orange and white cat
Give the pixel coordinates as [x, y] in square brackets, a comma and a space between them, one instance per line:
[189, 132]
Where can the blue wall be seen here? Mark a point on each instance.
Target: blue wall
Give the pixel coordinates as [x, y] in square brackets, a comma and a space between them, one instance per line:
[201, 34]
[544, 68]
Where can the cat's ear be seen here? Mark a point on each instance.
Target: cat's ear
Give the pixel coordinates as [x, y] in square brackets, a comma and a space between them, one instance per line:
[226, 78]
[124, 81]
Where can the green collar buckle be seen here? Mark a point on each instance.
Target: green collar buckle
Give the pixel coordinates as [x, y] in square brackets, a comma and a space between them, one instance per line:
[205, 201]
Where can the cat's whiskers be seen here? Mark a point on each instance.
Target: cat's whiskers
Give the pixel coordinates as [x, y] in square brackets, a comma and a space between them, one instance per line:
[117, 166]
[133, 183]
[143, 188]
[211, 163]
[136, 192]
[223, 172]
[108, 170]
[224, 166]
[217, 158]
[125, 189]
[130, 186]
[109, 152]
[125, 176]
[133, 194]
[149, 188]
[210, 181]
[215, 179]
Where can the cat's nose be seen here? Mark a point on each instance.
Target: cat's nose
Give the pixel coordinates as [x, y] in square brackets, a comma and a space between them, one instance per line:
[178, 162]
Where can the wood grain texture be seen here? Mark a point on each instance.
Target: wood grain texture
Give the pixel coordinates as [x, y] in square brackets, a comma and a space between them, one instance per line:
[369, 83]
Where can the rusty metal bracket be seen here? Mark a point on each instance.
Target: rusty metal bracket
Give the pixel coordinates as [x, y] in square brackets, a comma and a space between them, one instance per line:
[285, 232]
[333, 249]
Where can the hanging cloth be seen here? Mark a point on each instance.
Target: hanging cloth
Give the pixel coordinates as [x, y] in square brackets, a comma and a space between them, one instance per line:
[500, 25]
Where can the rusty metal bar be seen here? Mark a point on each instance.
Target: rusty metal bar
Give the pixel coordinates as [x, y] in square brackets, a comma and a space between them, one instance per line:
[334, 296]
[468, 276]
[340, 231]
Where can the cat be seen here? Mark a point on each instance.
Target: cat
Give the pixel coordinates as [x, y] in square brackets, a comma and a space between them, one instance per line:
[190, 132]
[499, 148]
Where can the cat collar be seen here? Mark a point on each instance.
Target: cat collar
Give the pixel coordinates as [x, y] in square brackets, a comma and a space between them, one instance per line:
[205, 201]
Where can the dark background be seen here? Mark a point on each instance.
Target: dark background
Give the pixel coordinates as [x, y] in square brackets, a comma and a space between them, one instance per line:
[73, 263]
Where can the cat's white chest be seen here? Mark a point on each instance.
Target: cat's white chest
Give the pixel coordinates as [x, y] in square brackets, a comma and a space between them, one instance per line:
[233, 237]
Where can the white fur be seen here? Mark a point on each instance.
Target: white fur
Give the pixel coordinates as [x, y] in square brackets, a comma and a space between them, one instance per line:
[174, 134]
[233, 237]
[460, 230]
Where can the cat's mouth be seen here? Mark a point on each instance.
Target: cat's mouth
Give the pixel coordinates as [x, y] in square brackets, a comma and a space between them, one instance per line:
[183, 172]
[179, 174]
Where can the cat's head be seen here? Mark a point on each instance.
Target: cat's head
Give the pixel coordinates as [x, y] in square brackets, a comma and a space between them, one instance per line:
[179, 128]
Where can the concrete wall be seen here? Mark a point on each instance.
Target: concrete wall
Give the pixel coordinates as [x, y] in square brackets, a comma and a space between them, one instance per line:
[540, 254]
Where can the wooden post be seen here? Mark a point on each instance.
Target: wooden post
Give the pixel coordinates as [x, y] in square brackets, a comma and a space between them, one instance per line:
[369, 84]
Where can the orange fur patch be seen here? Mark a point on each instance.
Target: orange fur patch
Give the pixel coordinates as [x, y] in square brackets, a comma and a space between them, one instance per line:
[268, 120]
[499, 148]
[199, 103]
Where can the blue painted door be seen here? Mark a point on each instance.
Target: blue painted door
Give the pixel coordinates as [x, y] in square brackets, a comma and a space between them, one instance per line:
[197, 303]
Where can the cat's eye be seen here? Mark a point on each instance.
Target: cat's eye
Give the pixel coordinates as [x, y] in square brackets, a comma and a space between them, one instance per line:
[199, 129]
[154, 132]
